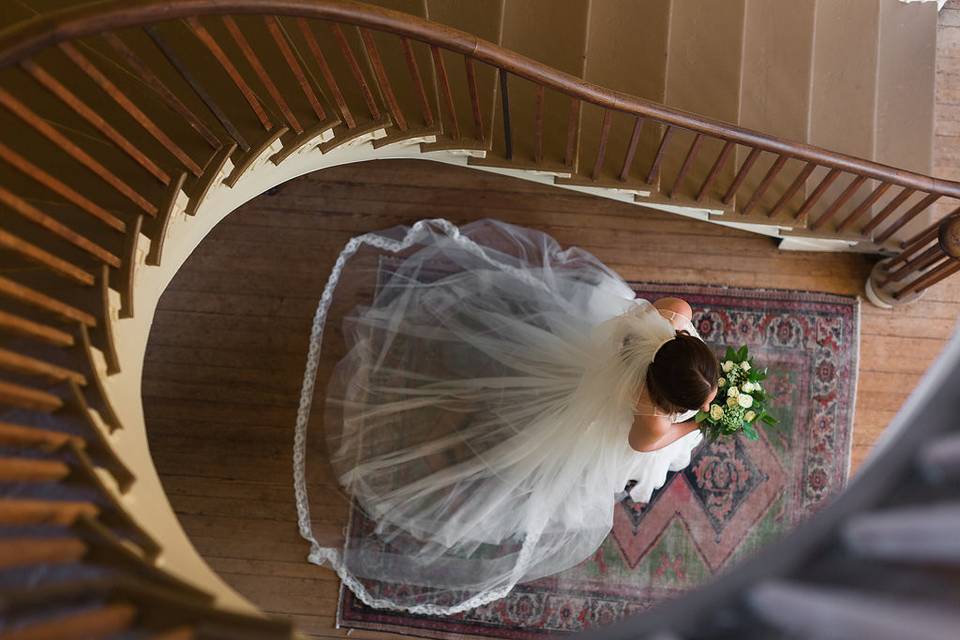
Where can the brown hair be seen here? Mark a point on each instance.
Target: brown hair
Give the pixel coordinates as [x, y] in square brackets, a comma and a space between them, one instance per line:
[683, 374]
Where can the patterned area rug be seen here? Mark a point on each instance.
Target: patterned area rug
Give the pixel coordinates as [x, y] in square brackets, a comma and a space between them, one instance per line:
[733, 498]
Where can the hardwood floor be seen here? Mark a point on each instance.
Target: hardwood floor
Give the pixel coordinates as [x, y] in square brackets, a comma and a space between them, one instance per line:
[223, 368]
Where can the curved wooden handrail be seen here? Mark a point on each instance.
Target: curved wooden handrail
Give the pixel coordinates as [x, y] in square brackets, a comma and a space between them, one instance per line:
[20, 41]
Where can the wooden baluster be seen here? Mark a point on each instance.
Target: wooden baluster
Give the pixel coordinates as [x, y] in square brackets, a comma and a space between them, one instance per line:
[925, 236]
[99, 444]
[26, 551]
[227, 65]
[573, 133]
[602, 149]
[280, 37]
[250, 55]
[793, 188]
[414, 70]
[864, 206]
[687, 163]
[538, 124]
[29, 366]
[198, 88]
[351, 60]
[326, 72]
[768, 179]
[42, 177]
[942, 271]
[145, 73]
[13, 435]
[505, 101]
[841, 200]
[26, 327]
[25, 511]
[818, 192]
[907, 217]
[74, 151]
[654, 171]
[932, 229]
[478, 130]
[948, 245]
[32, 470]
[26, 295]
[631, 149]
[441, 68]
[892, 206]
[54, 263]
[121, 99]
[721, 160]
[915, 244]
[924, 260]
[101, 622]
[21, 397]
[82, 109]
[41, 219]
[380, 73]
[741, 175]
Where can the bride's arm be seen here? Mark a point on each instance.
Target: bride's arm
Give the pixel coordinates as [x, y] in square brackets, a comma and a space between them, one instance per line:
[650, 433]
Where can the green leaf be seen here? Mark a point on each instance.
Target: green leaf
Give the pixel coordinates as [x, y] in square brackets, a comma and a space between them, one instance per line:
[701, 416]
[742, 353]
[750, 432]
[769, 419]
[731, 354]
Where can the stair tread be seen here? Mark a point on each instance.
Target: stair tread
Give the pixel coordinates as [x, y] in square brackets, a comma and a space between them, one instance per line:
[401, 84]
[775, 91]
[940, 459]
[482, 18]
[703, 77]
[822, 611]
[843, 99]
[906, 79]
[554, 33]
[622, 30]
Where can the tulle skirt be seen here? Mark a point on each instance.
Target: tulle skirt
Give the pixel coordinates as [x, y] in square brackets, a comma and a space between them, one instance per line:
[480, 416]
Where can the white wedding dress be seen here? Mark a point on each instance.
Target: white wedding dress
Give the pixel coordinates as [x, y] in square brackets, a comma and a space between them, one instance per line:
[480, 417]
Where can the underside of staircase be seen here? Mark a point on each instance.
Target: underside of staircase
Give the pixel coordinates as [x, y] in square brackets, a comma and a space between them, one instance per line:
[130, 129]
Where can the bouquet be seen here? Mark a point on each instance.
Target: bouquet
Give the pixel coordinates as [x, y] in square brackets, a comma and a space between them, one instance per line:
[741, 402]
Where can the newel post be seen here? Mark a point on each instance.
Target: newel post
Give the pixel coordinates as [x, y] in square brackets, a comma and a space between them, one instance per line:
[903, 278]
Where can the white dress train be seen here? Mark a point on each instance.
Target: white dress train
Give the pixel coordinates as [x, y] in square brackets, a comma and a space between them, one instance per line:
[480, 417]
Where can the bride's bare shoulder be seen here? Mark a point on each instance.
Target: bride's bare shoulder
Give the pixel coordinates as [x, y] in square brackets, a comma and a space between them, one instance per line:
[647, 432]
[677, 310]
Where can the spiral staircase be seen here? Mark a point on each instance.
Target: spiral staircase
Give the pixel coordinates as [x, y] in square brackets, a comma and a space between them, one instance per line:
[130, 129]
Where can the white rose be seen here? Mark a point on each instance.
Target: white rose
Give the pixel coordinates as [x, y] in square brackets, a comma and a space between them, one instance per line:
[721, 382]
[745, 401]
[749, 416]
[716, 411]
[733, 392]
[747, 386]
[731, 402]
[745, 365]
[727, 366]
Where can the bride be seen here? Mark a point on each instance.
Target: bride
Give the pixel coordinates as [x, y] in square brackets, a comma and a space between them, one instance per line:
[497, 396]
